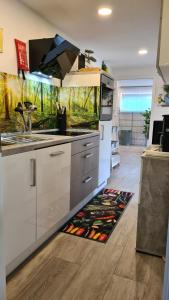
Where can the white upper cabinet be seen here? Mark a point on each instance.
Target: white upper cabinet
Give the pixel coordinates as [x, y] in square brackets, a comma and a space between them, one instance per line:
[53, 186]
[19, 195]
[82, 79]
[163, 50]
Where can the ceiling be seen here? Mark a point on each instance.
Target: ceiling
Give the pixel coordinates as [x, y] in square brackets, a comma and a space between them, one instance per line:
[134, 24]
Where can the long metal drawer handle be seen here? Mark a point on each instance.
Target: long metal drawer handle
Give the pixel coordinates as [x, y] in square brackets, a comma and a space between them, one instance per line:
[33, 172]
[89, 155]
[56, 153]
[88, 144]
[102, 133]
[88, 179]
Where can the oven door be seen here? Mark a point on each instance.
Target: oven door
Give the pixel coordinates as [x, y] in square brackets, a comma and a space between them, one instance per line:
[106, 103]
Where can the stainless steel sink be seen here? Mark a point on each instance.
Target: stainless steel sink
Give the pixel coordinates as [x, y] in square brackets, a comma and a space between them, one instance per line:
[6, 142]
[20, 139]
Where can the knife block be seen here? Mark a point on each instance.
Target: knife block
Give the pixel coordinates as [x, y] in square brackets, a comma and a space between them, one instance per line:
[61, 121]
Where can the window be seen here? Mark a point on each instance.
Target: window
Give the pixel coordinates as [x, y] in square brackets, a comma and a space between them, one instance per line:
[135, 99]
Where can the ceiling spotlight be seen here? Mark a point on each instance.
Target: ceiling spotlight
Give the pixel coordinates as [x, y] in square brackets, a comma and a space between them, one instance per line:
[104, 11]
[50, 76]
[142, 51]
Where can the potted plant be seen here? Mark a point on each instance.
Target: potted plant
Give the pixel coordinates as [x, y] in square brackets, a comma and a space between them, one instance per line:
[88, 56]
[104, 67]
[160, 99]
[166, 90]
[146, 115]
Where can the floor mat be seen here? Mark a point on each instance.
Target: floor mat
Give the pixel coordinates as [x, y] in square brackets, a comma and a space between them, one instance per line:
[98, 218]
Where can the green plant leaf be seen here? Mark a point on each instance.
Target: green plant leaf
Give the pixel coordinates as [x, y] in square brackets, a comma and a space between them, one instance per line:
[89, 51]
[92, 59]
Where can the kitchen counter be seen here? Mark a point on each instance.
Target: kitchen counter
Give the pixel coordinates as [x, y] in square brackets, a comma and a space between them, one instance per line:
[48, 141]
[153, 209]
[154, 151]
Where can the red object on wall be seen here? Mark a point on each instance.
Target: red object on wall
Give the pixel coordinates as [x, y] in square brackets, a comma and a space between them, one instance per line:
[21, 55]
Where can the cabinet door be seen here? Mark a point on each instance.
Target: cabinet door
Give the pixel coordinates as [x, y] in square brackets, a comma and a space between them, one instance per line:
[153, 210]
[105, 151]
[2, 252]
[53, 186]
[19, 193]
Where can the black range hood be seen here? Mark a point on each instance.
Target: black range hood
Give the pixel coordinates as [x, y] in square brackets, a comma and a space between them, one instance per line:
[52, 56]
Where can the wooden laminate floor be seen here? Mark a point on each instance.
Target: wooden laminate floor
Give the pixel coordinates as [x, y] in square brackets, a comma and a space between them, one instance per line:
[72, 268]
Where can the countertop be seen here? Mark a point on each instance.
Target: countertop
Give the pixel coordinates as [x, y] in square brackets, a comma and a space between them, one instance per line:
[49, 140]
[154, 151]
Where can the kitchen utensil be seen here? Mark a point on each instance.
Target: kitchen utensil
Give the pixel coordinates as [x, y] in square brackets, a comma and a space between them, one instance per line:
[19, 109]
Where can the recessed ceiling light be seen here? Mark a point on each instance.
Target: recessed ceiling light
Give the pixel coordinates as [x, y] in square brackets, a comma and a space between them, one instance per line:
[104, 11]
[142, 51]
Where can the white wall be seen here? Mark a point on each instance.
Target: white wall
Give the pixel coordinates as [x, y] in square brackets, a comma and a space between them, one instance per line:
[116, 104]
[19, 22]
[157, 111]
[133, 73]
[120, 84]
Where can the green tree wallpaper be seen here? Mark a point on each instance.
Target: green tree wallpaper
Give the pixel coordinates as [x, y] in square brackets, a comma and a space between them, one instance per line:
[82, 104]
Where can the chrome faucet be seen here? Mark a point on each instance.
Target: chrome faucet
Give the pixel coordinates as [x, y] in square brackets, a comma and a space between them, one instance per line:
[29, 109]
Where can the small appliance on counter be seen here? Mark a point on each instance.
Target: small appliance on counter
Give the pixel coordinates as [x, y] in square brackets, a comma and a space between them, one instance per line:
[165, 134]
[161, 133]
[157, 131]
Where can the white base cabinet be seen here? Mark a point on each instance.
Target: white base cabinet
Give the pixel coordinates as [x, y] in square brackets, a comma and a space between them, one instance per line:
[19, 196]
[53, 186]
[36, 195]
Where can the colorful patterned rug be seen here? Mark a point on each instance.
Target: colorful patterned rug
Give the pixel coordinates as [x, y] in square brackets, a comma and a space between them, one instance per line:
[98, 218]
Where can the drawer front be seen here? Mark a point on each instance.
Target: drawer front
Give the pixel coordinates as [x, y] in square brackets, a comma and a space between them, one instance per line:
[84, 162]
[85, 144]
[82, 187]
[89, 182]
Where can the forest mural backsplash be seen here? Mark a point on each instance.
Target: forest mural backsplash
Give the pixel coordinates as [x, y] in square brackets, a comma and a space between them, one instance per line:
[82, 104]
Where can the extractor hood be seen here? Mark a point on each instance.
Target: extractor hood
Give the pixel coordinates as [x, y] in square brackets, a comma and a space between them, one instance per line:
[52, 56]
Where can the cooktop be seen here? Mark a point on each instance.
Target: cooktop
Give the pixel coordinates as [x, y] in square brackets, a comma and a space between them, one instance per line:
[66, 132]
